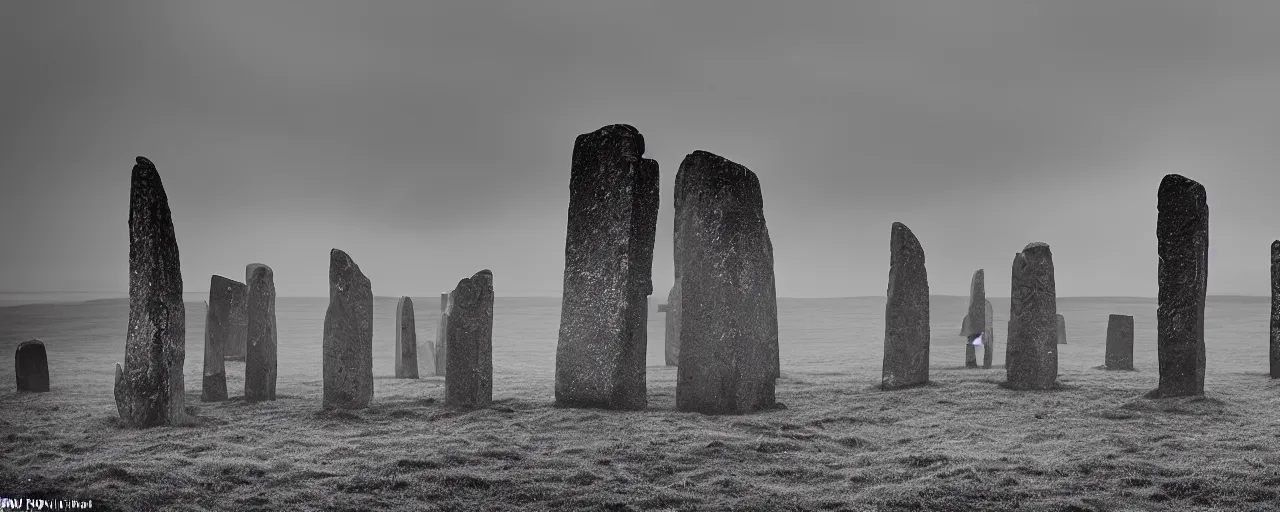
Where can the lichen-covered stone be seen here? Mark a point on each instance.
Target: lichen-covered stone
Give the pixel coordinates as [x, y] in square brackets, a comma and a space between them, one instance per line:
[260, 347]
[406, 340]
[906, 318]
[672, 326]
[1119, 354]
[234, 349]
[150, 390]
[1032, 347]
[469, 380]
[612, 223]
[348, 336]
[728, 303]
[442, 334]
[31, 365]
[219, 331]
[1182, 239]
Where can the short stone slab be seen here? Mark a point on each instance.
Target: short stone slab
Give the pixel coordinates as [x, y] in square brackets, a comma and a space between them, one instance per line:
[31, 364]
[469, 381]
[1119, 343]
[1032, 347]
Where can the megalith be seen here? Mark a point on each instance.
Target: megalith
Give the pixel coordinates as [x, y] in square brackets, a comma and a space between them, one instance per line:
[1182, 239]
[612, 222]
[906, 317]
[31, 365]
[1062, 330]
[442, 335]
[988, 341]
[1119, 343]
[348, 336]
[406, 340]
[728, 303]
[1275, 309]
[260, 346]
[469, 379]
[1032, 346]
[977, 323]
[150, 388]
[672, 326]
[234, 348]
[219, 331]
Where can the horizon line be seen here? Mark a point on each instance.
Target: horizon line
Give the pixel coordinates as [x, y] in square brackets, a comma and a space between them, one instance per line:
[125, 294]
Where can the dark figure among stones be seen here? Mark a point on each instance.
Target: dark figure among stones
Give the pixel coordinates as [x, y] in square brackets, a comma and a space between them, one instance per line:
[1032, 346]
[906, 318]
[1182, 238]
[31, 365]
[260, 346]
[728, 303]
[613, 215]
[348, 336]
[406, 340]
[469, 380]
[149, 388]
[1119, 342]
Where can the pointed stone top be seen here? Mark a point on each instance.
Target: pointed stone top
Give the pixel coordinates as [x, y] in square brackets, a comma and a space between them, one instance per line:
[1181, 187]
[143, 161]
[898, 226]
[901, 236]
[978, 274]
[218, 281]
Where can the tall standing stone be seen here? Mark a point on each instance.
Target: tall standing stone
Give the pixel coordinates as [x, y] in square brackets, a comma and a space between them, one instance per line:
[348, 336]
[672, 331]
[1062, 330]
[31, 365]
[1182, 238]
[906, 317]
[406, 340]
[219, 331]
[988, 338]
[442, 337]
[728, 302]
[236, 350]
[613, 215]
[150, 387]
[1119, 342]
[978, 321]
[260, 346]
[1032, 347]
[469, 380]
[1275, 309]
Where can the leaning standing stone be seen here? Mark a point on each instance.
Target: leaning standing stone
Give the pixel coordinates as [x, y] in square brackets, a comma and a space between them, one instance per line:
[442, 336]
[1032, 347]
[1182, 238]
[613, 215]
[672, 327]
[1119, 342]
[1062, 330]
[348, 336]
[469, 380]
[406, 340]
[1275, 309]
[906, 319]
[219, 331]
[728, 303]
[260, 347]
[150, 389]
[31, 364]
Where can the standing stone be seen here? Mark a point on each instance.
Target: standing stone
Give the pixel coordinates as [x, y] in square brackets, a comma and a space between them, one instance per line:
[442, 336]
[1031, 352]
[260, 347]
[1062, 330]
[348, 336]
[672, 333]
[906, 317]
[978, 322]
[1275, 309]
[613, 216]
[728, 303]
[428, 351]
[236, 350]
[150, 390]
[1182, 238]
[988, 338]
[1119, 342]
[219, 330]
[31, 364]
[406, 340]
[469, 380]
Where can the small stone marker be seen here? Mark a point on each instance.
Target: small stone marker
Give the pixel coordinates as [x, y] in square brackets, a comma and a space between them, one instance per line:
[406, 340]
[1182, 238]
[906, 336]
[427, 353]
[348, 336]
[1062, 330]
[469, 381]
[442, 336]
[671, 332]
[1032, 347]
[31, 364]
[260, 346]
[1119, 342]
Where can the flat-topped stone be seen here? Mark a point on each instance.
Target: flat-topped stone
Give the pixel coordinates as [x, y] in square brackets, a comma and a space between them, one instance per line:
[219, 331]
[469, 380]
[1119, 355]
[348, 336]
[31, 366]
[1032, 346]
[1182, 240]
[906, 333]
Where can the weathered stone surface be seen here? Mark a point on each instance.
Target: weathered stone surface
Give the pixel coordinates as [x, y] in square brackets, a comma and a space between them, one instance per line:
[1182, 238]
[469, 380]
[728, 304]
[150, 391]
[988, 339]
[906, 317]
[1032, 347]
[31, 364]
[672, 327]
[1119, 342]
[613, 215]
[406, 340]
[260, 347]
[219, 331]
[234, 349]
[1061, 334]
[348, 336]
[977, 321]
[442, 335]
[1275, 309]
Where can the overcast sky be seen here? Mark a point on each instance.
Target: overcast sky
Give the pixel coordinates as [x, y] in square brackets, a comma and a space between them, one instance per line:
[431, 139]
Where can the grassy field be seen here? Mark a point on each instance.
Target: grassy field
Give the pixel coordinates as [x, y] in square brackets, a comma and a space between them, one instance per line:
[960, 443]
